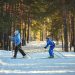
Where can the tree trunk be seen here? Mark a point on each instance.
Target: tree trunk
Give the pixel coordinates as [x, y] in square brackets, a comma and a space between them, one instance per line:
[1, 17]
[62, 39]
[28, 31]
[74, 38]
[25, 33]
[65, 27]
[41, 35]
[65, 33]
[72, 32]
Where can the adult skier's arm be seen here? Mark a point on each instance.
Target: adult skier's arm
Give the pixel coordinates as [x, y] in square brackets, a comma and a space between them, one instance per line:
[11, 38]
[47, 44]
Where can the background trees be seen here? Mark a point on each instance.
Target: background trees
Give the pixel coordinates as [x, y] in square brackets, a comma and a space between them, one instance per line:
[48, 17]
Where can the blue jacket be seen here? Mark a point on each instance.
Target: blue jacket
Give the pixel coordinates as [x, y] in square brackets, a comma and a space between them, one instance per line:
[49, 42]
[16, 39]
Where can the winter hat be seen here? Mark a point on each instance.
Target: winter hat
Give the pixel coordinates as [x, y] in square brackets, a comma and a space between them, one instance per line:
[48, 36]
[16, 32]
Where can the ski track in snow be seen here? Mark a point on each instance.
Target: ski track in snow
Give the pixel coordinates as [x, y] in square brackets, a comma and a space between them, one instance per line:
[62, 64]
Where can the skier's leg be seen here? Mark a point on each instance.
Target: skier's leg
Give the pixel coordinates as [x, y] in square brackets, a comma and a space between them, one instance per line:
[20, 50]
[51, 51]
[15, 52]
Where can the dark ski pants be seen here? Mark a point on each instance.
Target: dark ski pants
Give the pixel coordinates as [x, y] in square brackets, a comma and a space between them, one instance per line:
[51, 53]
[18, 48]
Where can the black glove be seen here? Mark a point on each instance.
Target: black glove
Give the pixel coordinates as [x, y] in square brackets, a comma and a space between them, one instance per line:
[45, 47]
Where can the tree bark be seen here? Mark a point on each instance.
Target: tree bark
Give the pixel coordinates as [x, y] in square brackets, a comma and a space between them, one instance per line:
[73, 32]
[65, 27]
[28, 31]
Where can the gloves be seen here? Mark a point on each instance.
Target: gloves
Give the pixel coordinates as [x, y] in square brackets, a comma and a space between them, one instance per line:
[45, 47]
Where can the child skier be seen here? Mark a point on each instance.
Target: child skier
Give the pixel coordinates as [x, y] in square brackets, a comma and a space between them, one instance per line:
[52, 46]
[17, 42]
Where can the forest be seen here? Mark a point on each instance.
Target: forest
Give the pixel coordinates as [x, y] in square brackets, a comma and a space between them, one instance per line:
[36, 19]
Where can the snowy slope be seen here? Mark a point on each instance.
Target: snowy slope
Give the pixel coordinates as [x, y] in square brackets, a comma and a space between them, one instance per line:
[38, 64]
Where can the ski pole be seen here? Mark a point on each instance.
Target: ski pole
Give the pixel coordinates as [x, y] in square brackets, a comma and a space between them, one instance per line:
[57, 55]
[12, 52]
[60, 53]
[26, 53]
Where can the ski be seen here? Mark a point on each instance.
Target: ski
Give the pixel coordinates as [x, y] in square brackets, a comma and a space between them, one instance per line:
[26, 57]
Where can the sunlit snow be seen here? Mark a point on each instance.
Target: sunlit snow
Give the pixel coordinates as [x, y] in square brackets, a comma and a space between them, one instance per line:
[39, 63]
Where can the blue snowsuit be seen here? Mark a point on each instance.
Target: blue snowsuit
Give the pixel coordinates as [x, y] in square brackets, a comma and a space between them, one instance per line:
[17, 41]
[52, 46]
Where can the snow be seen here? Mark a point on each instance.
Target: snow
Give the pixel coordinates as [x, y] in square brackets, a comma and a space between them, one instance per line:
[38, 64]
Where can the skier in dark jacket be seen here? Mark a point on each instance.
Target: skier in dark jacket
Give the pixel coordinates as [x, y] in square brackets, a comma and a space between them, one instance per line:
[17, 42]
[52, 46]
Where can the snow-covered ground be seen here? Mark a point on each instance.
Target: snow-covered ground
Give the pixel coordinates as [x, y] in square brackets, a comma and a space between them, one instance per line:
[38, 63]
